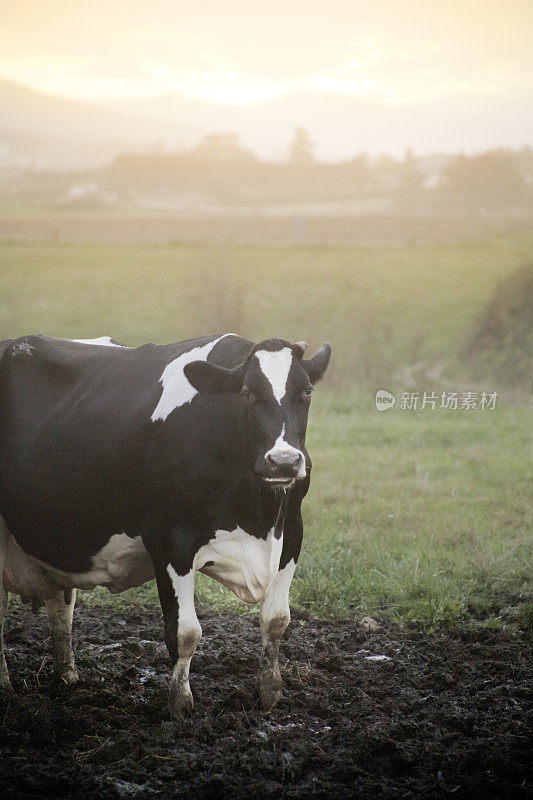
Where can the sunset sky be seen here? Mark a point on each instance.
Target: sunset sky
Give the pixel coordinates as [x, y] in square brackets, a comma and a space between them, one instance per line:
[241, 51]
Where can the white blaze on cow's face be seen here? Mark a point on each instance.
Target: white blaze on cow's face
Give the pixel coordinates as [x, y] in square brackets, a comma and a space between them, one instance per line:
[275, 366]
[276, 390]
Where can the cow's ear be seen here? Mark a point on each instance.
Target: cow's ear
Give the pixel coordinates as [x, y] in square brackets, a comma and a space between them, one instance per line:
[299, 348]
[316, 366]
[209, 378]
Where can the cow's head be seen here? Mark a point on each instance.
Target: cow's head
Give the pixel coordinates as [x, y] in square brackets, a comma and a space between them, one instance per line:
[274, 385]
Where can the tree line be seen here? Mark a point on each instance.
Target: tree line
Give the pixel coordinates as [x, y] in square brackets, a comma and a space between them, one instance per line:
[492, 182]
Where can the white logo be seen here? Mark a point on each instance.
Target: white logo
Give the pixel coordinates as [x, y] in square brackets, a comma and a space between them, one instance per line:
[384, 400]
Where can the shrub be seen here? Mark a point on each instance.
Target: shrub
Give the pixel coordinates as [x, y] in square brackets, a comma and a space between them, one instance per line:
[500, 343]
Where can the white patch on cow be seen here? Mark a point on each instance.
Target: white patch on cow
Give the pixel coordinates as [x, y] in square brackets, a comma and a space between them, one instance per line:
[243, 563]
[275, 606]
[102, 341]
[283, 451]
[21, 348]
[183, 586]
[123, 562]
[274, 616]
[176, 388]
[275, 366]
[189, 634]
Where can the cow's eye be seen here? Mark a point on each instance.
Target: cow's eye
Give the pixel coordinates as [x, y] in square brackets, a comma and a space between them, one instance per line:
[307, 392]
[246, 394]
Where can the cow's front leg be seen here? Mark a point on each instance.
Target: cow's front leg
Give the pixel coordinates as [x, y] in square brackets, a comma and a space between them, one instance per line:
[60, 609]
[184, 629]
[274, 613]
[173, 559]
[274, 616]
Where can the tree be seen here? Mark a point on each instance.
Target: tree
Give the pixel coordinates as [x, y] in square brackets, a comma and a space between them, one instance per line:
[301, 151]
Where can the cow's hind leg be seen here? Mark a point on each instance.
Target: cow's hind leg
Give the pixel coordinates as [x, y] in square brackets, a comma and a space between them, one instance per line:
[4, 674]
[274, 616]
[4, 597]
[60, 609]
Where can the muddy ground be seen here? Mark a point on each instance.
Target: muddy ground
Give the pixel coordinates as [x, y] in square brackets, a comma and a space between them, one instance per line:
[442, 715]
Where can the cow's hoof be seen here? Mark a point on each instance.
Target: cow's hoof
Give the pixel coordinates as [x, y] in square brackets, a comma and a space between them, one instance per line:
[180, 704]
[5, 686]
[269, 687]
[267, 700]
[69, 677]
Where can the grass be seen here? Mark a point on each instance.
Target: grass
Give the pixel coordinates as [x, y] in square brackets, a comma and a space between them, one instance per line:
[421, 517]
[379, 307]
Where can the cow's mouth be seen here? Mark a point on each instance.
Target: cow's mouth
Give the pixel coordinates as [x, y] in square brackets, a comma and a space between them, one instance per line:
[280, 482]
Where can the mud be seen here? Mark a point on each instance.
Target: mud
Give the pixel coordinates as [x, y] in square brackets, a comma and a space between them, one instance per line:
[388, 713]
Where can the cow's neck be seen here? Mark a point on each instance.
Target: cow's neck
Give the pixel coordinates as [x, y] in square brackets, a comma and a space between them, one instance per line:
[259, 510]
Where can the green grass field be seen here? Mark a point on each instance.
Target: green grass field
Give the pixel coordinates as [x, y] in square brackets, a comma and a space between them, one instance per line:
[419, 516]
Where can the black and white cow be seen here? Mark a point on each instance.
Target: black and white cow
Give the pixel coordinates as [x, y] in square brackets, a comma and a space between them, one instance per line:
[119, 464]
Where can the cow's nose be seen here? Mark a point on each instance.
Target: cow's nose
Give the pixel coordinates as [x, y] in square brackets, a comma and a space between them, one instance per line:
[284, 459]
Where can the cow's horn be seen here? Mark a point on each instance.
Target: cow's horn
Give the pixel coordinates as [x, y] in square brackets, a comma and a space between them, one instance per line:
[303, 346]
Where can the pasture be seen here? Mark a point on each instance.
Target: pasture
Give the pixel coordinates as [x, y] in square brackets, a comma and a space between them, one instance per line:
[418, 515]
[420, 519]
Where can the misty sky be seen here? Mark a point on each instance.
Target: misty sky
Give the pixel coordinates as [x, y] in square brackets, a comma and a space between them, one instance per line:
[243, 51]
[372, 75]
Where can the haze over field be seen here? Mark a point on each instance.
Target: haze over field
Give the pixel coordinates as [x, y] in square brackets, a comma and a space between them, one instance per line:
[111, 77]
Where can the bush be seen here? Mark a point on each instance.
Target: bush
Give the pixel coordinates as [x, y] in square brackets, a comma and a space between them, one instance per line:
[500, 343]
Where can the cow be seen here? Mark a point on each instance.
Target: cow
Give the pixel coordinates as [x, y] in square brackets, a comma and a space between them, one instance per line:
[121, 464]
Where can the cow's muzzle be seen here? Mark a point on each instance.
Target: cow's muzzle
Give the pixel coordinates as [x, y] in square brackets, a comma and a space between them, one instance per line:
[282, 465]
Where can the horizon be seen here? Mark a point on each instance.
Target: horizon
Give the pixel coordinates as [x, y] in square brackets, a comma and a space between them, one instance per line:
[131, 108]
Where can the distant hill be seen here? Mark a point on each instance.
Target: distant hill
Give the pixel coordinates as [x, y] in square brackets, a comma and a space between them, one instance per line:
[25, 108]
[45, 131]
